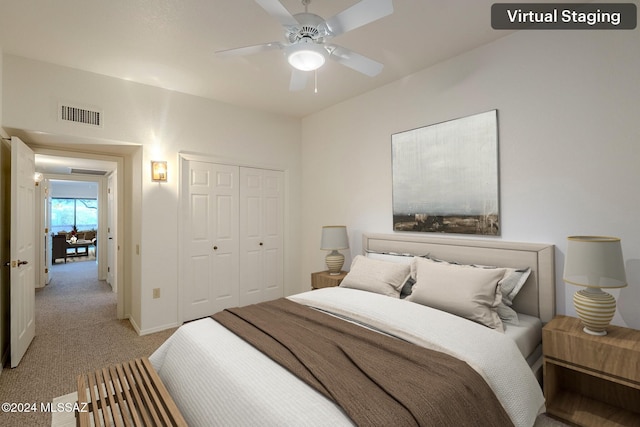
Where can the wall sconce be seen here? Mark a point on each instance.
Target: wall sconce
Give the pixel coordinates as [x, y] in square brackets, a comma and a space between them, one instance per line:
[38, 177]
[158, 171]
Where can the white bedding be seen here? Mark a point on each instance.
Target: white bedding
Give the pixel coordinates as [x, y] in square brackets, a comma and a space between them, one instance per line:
[527, 334]
[218, 379]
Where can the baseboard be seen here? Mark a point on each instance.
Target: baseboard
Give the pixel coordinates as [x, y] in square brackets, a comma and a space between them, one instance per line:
[135, 325]
[142, 332]
[157, 329]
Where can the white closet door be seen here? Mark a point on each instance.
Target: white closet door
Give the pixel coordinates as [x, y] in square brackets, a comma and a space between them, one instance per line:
[261, 236]
[210, 239]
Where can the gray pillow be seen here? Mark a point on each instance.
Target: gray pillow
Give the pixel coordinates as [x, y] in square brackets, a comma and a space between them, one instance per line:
[472, 293]
[511, 283]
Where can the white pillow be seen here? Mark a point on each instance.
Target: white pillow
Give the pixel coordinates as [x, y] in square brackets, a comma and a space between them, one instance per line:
[381, 277]
[472, 293]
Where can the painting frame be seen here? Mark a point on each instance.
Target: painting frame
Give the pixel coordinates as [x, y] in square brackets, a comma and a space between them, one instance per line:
[445, 177]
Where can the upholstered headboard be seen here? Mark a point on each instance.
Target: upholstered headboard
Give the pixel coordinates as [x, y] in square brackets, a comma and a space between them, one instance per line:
[537, 297]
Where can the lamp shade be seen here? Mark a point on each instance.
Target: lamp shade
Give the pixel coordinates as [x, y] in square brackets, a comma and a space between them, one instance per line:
[594, 262]
[334, 237]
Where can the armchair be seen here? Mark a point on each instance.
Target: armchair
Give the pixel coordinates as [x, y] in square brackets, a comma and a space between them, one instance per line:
[59, 248]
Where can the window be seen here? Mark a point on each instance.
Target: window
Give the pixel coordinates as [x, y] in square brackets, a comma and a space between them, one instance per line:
[67, 212]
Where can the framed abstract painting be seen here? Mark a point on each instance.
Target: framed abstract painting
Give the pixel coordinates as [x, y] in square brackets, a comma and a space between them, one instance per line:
[445, 177]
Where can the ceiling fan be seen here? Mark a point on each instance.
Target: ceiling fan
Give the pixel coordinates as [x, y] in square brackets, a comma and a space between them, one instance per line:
[307, 36]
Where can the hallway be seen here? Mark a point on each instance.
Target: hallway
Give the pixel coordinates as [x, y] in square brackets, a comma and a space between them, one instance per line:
[74, 297]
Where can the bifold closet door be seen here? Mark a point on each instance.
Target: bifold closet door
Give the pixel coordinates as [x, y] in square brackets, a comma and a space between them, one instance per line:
[261, 235]
[210, 239]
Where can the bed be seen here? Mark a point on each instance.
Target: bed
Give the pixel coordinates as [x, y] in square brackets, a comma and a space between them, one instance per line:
[218, 378]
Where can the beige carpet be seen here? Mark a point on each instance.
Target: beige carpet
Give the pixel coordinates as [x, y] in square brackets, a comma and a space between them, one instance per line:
[76, 331]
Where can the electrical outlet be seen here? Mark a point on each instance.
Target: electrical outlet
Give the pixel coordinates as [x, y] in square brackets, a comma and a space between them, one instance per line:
[156, 293]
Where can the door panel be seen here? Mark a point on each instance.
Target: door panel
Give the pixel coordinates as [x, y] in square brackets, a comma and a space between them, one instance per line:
[47, 225]
[261, 238]
[226, 220]
[112, 232]
[251, 244]
[273, 234]
[210, 239]
[23, 241]
[200, 289]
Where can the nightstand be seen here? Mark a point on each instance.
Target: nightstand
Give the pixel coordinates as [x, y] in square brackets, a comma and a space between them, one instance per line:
[591, 380]
[322, 279]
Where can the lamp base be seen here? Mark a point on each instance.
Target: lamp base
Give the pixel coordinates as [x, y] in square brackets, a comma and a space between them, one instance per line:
[595, 308]
[590, 332]
[335, 261]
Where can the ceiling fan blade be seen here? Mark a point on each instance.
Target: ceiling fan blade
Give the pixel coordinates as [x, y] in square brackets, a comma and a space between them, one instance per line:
[355, 61]
[359, 14]
[278, 11]
[298, 80]
[250, 50]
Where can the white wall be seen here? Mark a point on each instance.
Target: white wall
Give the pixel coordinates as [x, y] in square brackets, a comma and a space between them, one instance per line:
[77, 189]
[569, 135]
[163, 123]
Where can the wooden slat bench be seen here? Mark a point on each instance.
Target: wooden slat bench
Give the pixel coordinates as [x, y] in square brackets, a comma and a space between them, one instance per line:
[127, 394]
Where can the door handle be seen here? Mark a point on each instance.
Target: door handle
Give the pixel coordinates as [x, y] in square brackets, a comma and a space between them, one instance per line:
[15, 264]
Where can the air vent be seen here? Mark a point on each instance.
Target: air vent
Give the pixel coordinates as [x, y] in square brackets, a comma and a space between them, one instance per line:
[77, 114]
[87, 172]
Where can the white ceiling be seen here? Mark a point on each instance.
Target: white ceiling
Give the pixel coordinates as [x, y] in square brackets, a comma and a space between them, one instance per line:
[49, 164]
[171, 44]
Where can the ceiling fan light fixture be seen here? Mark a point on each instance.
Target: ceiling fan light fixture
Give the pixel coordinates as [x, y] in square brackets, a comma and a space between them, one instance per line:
[306, 56]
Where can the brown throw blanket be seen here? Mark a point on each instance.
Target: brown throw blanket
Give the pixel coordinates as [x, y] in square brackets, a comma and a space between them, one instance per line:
[376, 379]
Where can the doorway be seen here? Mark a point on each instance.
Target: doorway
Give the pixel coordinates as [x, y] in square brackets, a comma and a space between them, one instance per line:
[86, 180]
[71, 211]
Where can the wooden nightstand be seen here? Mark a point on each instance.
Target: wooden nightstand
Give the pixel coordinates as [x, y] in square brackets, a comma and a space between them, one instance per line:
[322, 279]
[591, 380]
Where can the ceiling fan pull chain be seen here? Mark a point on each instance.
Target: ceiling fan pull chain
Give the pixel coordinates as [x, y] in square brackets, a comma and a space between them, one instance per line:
[315, 72]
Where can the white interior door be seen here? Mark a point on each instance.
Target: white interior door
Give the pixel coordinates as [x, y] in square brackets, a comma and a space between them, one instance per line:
[209, 238]
[261, 236]
[43, 236]
[23, 243]
[112, 235]
[46, 183]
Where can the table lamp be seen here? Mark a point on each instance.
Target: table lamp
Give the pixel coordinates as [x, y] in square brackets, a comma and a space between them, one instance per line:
[595, 262]
[334, 237]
